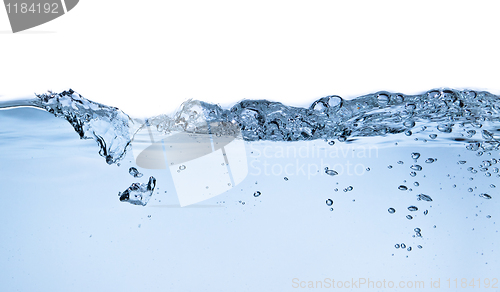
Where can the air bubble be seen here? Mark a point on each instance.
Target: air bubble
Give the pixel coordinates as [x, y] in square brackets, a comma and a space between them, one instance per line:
[416, 167]
[444, 128]
[383, 99]
[485, 196]
[331, 172]
[424, 197]
[409, 124]
[134, 172]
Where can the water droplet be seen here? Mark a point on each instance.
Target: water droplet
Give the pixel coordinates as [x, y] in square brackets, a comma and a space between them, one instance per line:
[408, 133]
[417, 229]
[488, 216]
[409, 217]
[389, 166]
[331, 143]
[400, 162]
[149, 216]
[424, 197]
[430, 160]
[367, 169]
[331, 172]
[396, 245]
[402, 188]
[413, 174]
[433, 136]
[349, 188]
[336, 189]
[403, 245]
[492, 186]
[391, 210]
[426, 212]
[485, 196]
[182, 167]
[412, 208]
[415, 155]
[470, 190]
[342, 138]
[409, 248]
[329, 202]
[416, 167]
[416, 183]
[462, 162]
[256, 194]
[331, 209]
[419, 246]
[409, 124]
[285, 178]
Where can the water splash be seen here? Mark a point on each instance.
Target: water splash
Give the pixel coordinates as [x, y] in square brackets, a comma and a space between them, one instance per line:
[327, 118]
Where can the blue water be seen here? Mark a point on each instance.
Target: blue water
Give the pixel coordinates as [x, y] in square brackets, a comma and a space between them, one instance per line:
[68, 228]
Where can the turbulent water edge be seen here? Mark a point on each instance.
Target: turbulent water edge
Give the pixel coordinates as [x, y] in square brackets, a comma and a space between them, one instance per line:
[329, 117]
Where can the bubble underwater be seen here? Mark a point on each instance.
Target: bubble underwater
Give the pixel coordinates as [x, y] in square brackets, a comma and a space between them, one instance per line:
[346, 188]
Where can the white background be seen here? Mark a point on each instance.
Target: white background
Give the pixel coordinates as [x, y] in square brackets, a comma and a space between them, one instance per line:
[147, 57]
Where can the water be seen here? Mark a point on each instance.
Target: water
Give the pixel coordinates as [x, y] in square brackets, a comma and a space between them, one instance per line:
[74, 192]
